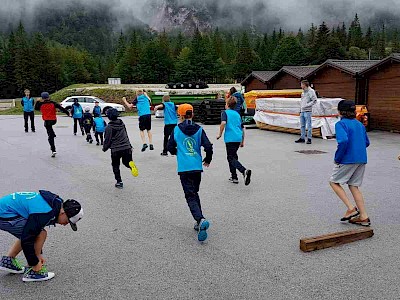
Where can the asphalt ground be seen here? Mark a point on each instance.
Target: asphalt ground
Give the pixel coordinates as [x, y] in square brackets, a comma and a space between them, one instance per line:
[139, 242]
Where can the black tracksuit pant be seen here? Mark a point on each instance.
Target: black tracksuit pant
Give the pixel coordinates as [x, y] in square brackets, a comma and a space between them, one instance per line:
[168, 130]
[234, 164]
[191, 184]
[88, 129]
[50, 133]
[29, 115]
[76, 122]
[101, 135]
[116, 156]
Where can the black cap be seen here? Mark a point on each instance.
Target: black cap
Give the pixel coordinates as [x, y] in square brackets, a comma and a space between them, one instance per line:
[346, 105]
[74, 212]
[112, 114]
[45, 95]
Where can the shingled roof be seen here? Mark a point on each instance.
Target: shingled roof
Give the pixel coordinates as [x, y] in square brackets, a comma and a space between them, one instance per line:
[299, 72]
[352, 67]
[391, 58]
[263, 76]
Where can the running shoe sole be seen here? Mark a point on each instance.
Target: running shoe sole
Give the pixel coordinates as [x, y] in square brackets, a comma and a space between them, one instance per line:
[11, 271]
[247, 177]
[53, 154]
[134, 170]
[355, 214]
[203, 226]
[50, 275]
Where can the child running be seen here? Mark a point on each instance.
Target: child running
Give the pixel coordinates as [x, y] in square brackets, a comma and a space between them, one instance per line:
[87, 121]
[77, 114]
[170, 120]
[99, 126]
[142, 102]
[350, 160]
[25, 215]
[116, 139]
[186, 142]
[49, 116]
[231, 123]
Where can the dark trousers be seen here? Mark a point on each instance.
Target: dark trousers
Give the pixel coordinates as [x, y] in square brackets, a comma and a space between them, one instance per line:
[168, 130]
[99, 134]
[50, 133]
[116, 156]
[30, 115]
[76, 122]
[234, 164]
[191, 185]
[88, 128]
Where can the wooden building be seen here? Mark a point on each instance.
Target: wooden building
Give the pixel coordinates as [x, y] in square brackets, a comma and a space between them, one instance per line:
[289, 77]
[341, 79]
[258, 80]
[383, 93]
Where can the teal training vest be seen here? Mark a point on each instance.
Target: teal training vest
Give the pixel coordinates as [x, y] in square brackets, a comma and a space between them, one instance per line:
[170, 117]
[23, 204]
[233, 128]
[143, 106]
[189, 151]
[78, 112]
[28, 104]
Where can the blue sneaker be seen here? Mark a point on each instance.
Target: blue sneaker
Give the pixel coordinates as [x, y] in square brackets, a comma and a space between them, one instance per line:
[11, 265]
[203, 226]
[42, 275]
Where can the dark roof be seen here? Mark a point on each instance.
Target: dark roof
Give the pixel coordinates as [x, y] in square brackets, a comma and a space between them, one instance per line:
[263, 76]
[352, 67]
[299, 72]
[393, 57]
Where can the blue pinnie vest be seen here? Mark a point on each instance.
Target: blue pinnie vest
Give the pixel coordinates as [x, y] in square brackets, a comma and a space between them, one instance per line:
[170, 117]
[97, 110]
[143, 106]
[78, 112]
[23, 204]
[99, 124]
[233, 128]
[28, 104]
[188, 151]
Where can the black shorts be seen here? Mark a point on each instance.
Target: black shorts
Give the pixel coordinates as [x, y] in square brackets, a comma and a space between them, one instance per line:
[145, 122]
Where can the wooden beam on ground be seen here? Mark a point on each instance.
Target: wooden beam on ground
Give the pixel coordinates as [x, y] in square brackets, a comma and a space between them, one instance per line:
[334, 239]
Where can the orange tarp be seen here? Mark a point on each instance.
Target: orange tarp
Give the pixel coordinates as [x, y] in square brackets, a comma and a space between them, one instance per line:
[251, 96]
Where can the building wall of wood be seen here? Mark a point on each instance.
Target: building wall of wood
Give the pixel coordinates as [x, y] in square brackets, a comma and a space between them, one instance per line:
[285, 81]
[384, 98]
[255, 84]
[333, 83]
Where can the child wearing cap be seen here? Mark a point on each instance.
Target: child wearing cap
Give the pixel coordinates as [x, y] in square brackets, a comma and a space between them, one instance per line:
[143, 102]
[48, 109]
[350, 160]
[96, 108]
[231, 123]
[170, 119]
[25, 215]
[99, 126]
[186, 142]
[116, 138]
[87, 121]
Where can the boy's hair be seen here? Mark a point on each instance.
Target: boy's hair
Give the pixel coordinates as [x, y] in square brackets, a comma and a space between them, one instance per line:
[139, 92]
[306, 83]
[166, 98]
[232, 90]
[347, 109]
[231, 102]
[27, 91]
[348, 114]
[112, 114]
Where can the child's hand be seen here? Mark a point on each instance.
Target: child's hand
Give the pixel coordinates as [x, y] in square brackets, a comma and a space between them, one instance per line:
[41, 259]
[218, 137]
[206, 165]
[123, 98]
[38, 267]
[241, 144]
[398, 157]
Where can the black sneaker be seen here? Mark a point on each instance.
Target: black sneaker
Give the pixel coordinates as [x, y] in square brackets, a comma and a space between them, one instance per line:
[300, 141]
[74, 133]
[164, 154]
[234, 180]
[247, 177]
[97, 144]
[83, 133]
[151, 147]
[119, 185]
[26, 131]
[144, 147]
[309, 141]
[33, 130]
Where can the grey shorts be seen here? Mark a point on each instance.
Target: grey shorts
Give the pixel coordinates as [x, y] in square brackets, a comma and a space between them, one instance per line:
[348, 174]
[15, 227]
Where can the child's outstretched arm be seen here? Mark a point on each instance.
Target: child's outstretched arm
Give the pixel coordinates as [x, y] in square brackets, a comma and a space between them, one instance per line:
[224, 118]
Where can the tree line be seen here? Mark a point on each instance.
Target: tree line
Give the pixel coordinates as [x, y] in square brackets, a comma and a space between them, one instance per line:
[38, 62]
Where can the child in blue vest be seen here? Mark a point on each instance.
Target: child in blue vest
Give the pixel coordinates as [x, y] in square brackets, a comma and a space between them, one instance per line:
[77, 115]
[170, 120]
[28, 103]
[87, 121]
[25, 215]
[186, 142]
[143, 102]
[96, 108]
[350, 160]
[231, 122]
[99, 125]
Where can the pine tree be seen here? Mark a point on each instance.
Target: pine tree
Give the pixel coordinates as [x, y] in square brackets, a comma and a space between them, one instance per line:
[343, 35]
[179, 44]
[289, 52]
[22, 63]
[368, 40]
[121, 48]
[396, 42]
[126, 69]
[301, 37]
[245, 59]
[183, 72]
[200, 58]
[355, 34]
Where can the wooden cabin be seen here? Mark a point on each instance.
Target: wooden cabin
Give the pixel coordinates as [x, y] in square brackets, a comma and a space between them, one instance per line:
[258, 80]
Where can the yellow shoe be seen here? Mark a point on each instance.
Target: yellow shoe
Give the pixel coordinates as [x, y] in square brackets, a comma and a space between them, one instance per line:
[134, 170]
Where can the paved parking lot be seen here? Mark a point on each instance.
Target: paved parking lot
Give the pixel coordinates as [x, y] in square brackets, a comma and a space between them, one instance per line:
[138, 243]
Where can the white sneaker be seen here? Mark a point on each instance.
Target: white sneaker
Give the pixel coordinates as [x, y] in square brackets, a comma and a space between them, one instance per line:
[42, 275]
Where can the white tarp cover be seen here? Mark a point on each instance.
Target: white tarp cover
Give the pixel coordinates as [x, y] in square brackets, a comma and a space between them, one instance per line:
[285, 112]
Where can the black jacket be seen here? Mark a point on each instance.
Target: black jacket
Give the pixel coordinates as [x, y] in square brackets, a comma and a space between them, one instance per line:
[189, 128]
[116, 137]
[87, 120]
[36, 223]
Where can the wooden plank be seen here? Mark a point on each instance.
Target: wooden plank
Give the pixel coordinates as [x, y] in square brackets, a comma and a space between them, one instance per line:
[316, 132]
[334, 239]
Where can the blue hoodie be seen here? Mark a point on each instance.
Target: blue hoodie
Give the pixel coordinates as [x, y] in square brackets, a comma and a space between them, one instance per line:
[352, 141]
